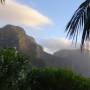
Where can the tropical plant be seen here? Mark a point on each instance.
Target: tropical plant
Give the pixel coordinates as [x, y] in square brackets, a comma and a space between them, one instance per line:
[14, 68]
[80, 20]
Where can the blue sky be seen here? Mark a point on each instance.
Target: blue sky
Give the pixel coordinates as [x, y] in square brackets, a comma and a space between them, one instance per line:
[58, 12]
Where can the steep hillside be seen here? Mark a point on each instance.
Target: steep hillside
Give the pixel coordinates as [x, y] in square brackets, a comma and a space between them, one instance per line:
[14, 36]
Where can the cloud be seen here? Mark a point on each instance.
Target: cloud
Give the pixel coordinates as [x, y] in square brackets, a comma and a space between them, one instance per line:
[15, 13]
[54, 44]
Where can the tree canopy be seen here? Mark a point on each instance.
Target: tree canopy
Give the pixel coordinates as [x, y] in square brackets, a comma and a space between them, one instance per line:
[14, 68]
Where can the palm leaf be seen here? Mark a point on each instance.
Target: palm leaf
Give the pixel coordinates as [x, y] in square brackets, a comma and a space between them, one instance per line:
[80, 20]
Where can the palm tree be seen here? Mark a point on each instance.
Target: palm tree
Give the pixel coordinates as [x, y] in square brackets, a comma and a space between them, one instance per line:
[80, 20]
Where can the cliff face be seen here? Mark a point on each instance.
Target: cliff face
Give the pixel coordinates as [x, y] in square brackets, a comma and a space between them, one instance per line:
[14, 36]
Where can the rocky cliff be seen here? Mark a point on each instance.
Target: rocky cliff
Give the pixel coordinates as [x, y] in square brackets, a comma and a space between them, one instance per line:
[14, 36]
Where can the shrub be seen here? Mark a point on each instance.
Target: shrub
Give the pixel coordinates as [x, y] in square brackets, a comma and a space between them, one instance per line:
[57, 79]
[14, 68]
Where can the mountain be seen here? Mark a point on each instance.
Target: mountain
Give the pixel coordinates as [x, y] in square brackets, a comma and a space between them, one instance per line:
[15, 36]
[76, 60]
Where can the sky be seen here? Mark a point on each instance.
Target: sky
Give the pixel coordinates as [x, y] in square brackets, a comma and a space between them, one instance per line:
[45, 20]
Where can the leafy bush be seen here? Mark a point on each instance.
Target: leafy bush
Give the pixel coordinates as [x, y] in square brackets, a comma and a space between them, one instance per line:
[57, 79]
[16, 74]
[14, 68]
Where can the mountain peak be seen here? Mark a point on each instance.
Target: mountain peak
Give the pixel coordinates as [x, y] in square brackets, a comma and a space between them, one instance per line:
[15, 36]
[12, 27]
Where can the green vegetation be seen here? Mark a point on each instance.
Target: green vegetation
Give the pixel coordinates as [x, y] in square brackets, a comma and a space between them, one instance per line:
[14, 68]
[57, 79]
[16, 74]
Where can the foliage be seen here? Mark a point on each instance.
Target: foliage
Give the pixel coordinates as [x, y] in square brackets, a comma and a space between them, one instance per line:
[14, 68]
[57, 79]
[80, 20]
[16, 74]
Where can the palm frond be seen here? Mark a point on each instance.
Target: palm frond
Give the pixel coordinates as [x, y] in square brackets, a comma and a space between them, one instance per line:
[80, 20]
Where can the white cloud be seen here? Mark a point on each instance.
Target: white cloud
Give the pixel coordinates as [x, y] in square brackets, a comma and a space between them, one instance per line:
[54, 44]
[15, 13]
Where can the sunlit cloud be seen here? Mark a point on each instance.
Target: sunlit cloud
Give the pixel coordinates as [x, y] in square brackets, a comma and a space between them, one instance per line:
[15, 13]
[54, 44]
